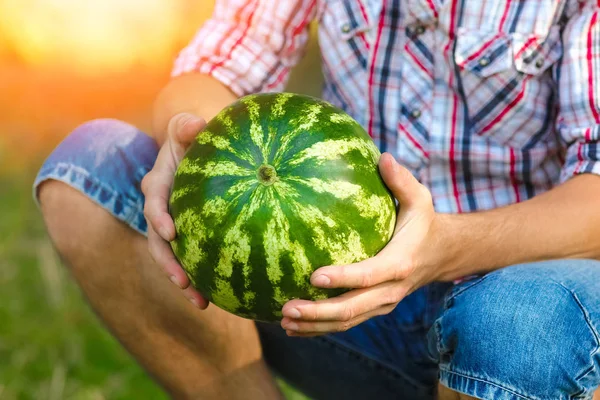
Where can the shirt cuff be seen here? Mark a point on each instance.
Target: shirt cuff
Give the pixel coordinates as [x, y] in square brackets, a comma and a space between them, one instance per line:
[583, 155]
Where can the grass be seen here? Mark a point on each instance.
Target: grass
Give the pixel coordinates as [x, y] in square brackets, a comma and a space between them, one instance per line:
[52, 346]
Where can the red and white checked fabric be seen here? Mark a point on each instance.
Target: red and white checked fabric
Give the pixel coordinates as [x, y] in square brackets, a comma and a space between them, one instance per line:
[488, 102]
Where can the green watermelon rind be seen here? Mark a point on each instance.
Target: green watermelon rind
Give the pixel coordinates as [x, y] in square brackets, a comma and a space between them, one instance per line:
[251, 246]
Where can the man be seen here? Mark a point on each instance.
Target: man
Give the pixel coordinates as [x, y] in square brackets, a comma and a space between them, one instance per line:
[490, 287]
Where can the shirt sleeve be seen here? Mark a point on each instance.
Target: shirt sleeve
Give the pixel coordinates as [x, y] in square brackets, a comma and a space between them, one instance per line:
[578, 78]
[249, 45]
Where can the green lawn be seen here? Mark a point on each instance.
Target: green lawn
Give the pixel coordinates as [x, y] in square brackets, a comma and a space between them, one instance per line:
[52, 346]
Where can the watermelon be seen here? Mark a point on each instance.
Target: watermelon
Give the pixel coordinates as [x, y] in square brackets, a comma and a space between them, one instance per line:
[274, 187]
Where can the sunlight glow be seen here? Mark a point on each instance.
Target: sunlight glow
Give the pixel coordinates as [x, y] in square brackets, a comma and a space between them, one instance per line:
[100, 35]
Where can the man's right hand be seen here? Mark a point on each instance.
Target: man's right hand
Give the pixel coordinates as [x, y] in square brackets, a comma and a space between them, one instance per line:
[156, 186]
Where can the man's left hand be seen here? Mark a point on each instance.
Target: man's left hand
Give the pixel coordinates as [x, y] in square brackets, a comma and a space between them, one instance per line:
[410, 260]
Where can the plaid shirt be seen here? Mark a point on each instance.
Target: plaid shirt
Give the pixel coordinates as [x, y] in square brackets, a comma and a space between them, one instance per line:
[488, 102]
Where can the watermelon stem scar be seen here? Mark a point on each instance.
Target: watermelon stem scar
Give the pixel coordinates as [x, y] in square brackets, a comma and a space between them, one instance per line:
[267, 175]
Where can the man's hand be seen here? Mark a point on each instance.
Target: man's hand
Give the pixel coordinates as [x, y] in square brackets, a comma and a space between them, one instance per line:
[156, 185]
[405, 264]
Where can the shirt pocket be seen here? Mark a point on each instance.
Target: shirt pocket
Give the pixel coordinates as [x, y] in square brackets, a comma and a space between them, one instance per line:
[343, 28]
[345, 19]
[506, 84]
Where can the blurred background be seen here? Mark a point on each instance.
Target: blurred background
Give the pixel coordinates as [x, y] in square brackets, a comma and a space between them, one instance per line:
[63, 62]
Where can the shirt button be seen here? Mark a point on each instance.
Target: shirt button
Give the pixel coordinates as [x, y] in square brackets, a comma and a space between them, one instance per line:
[346, 28]
[484, 62]
[539, 63]
[419, 30]
[415, 114]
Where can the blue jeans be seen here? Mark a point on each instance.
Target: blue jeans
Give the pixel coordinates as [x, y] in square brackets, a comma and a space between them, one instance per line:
[523, 332]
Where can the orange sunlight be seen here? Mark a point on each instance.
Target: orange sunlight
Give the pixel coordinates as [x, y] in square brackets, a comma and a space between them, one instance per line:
[63, 62]
[97, 36]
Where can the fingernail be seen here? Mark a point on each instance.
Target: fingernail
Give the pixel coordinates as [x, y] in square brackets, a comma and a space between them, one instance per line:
[321, 280]
[292, 313]
[292, 326]
[194, 302]
[174, 280]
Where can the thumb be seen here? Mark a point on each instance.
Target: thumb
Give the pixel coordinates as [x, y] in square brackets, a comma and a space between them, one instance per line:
[184, 127]
[403, 185]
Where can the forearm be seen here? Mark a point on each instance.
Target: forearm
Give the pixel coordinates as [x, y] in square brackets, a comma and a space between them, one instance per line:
[562, 223]
[198, 94]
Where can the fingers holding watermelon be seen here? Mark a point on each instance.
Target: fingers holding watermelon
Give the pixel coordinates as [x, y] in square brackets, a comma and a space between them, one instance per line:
[381, 282]
[382, 268]
[156, 186]
[163, 256]
[156, 192]
[343, 312]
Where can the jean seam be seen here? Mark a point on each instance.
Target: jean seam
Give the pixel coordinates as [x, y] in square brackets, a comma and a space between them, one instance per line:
[590, 368]
[437, 323]
[461, 290]
[50, 172]
[432, 315]
[485, 381]
[87, 175]
[383, 366]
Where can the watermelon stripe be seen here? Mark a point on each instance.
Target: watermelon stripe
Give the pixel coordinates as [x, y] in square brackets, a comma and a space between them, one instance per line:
[333, 149]
[213, 168]
[256, 129]
[301, 125]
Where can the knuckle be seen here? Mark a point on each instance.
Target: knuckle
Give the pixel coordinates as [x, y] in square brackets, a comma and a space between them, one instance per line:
[309, 314]
[312, 314]
[178, 122]
[342, 271]
[344, 326]
[392, 266]
[367, 277]
[387, 309]
[347, 313]
[393, 298]
[186, 285]
[398, 296]
[182, 121]
[147, 213]
[146, 181]
[153, 253]
[173, 124]
[404, 268]
[425, 194]
[400, 272]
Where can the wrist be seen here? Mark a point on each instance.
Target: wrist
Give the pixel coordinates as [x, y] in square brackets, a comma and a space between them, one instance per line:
[449, 246]
[476, 243]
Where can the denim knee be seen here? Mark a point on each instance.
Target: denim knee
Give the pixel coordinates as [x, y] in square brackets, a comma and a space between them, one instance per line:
[516, 333]
[105, 159]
